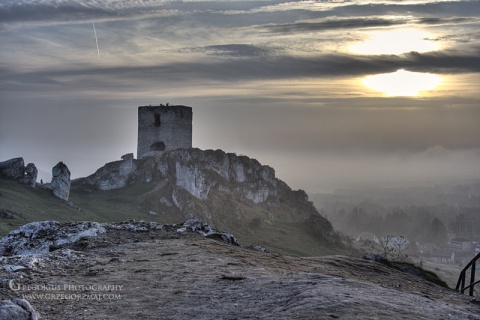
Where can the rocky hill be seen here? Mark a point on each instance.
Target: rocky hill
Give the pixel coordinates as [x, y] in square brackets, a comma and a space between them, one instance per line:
[137, 270]
[230, 192]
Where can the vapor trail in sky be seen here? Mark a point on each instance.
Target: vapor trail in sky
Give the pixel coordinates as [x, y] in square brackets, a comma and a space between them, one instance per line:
[96, 40]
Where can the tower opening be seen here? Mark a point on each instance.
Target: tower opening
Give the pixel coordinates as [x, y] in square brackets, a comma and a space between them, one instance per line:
[157, 146]
[157, 120]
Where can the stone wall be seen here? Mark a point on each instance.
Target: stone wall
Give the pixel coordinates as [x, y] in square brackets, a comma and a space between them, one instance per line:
[163, 128]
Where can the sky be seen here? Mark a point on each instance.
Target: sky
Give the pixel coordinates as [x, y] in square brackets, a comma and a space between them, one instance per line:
[331, 94]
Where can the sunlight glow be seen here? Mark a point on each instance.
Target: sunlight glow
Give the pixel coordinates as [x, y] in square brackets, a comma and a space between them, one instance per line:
[396, 42]
[402, 83]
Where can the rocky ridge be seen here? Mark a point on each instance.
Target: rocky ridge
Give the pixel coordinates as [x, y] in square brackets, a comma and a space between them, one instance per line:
[220, 188]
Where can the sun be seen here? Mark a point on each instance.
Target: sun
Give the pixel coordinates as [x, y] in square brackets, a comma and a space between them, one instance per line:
[402, 83]
[396, 42]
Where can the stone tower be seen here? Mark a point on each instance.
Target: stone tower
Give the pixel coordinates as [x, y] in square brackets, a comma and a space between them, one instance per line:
[163, 128]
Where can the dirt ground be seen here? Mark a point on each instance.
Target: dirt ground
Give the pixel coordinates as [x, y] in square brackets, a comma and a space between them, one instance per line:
[166, 275]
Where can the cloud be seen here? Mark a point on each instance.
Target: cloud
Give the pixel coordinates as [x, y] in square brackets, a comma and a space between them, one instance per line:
[446, 21]
[50, 11]
[230, 50]
[239, 13]
[362, 22]
[258, 66]
[332, 24]
[44, 12]
[416, 8]
[442, 62]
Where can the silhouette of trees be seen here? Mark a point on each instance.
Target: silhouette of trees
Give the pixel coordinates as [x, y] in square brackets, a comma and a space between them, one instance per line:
[416, 223]
[438, 232]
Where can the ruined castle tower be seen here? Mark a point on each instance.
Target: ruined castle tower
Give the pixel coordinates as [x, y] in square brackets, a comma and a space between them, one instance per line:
[163, 128]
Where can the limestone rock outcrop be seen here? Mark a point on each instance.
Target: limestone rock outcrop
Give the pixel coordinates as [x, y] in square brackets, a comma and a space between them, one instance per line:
[40, 237]
[198, 171]
[113, 175]
[30, 176]
[193, 170]
[205, 230]
[61, 181]
[214, 186]
[14, 169]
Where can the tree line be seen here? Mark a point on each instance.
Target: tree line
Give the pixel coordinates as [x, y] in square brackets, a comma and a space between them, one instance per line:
[418, 223]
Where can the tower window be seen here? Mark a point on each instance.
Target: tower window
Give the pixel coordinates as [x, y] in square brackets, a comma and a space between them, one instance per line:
[156, 120]
[157, 146]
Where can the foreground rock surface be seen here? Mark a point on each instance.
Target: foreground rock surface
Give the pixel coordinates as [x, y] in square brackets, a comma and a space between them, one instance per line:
[149, 271]
[44, 236]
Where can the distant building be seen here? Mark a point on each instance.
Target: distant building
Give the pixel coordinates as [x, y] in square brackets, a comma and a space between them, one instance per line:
[461, 245]
[443, 256]
[163, 128]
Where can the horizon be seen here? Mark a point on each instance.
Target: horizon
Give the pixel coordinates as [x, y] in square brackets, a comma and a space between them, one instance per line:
[330, 94]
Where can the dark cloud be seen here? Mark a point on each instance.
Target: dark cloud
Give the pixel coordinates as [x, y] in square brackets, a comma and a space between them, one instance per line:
[77, 12]
[439, 62]
[435, 9]
[360, 22]
[332, 24]
[49, 13]
[333, 65]
[270, 67]
[441, 21]
[238, 50]
[246, 14]
[230, 50]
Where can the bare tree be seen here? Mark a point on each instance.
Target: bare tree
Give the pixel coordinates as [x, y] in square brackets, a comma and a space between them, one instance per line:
[394, 247]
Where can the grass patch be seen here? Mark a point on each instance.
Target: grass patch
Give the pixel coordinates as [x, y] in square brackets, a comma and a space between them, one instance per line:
[30, 204]
[422, 273]
[34, 204]
[289, 238]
